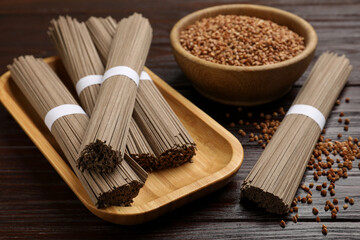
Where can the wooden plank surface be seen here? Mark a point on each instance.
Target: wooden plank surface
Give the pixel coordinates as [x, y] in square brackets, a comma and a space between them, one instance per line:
[34, 201]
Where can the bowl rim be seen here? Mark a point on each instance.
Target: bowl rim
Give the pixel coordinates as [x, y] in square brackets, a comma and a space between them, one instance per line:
[309, 48]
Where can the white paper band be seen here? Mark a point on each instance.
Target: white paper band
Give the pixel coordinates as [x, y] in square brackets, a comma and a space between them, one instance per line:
[145, 76]
[122, 70]
[61, 111]
[87, 81]
[309, 111]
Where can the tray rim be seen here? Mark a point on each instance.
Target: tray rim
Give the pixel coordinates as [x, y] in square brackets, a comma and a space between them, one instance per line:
[132, 215]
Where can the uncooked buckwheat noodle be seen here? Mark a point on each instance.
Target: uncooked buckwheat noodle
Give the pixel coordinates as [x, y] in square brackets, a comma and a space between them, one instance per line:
[275, 178]
[45, 91]
[102, 31]
[80, 58]
[78, 54]
[108, 129]
[165, 133]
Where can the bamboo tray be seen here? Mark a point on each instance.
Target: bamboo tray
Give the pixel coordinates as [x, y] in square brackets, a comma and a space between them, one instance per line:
[219, 155]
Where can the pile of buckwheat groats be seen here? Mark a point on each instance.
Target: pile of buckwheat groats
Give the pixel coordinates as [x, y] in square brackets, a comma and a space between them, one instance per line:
[241, 41]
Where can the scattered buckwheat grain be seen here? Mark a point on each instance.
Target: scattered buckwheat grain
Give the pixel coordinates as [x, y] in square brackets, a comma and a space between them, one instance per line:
[282, 223]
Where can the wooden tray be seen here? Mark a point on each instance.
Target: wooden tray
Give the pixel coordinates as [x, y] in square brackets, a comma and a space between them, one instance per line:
[218, 158]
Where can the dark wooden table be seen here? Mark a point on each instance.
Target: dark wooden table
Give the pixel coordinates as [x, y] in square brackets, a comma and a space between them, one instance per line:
[35, 202]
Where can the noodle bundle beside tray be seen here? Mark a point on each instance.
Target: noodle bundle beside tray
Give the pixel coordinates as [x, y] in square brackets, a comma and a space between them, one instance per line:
[274, 180]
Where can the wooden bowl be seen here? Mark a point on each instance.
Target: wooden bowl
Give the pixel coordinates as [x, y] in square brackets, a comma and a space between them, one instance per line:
[246, 86]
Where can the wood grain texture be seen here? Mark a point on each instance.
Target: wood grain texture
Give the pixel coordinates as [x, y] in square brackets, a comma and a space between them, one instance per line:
[36, 203]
